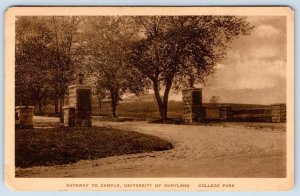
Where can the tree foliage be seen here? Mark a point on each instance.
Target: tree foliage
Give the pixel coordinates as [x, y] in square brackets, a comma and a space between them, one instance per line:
[107, 40]
[174, 49]
[120, 53]
[33, 60]
[44, 58]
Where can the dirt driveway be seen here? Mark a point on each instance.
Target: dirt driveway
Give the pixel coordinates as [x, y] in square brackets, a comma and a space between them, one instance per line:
[228, 150]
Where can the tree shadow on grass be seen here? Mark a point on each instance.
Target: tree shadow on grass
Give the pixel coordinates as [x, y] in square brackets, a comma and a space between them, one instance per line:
[60, 145]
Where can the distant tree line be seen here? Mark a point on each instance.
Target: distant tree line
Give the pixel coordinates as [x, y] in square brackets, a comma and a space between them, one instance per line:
[119, 54]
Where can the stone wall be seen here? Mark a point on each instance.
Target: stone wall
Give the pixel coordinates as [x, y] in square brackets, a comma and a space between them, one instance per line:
[72, 99]
[24, 116]
[212, 113]
[80, 98]
[83, 110]
[69, 116]
[192, 105]
[278, 113]
[225, 113]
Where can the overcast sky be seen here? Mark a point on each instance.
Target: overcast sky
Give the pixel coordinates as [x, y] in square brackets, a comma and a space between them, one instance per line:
[255, 68]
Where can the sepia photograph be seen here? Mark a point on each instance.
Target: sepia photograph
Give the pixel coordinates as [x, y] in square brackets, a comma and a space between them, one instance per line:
[149, 98]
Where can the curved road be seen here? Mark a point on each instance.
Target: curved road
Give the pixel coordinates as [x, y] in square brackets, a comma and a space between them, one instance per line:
[228, 150]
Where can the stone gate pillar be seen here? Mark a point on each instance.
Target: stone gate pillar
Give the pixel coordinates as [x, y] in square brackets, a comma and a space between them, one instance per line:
[24, 116]
[192, 105]
[69, 116]
[80, 98]
[79, 110]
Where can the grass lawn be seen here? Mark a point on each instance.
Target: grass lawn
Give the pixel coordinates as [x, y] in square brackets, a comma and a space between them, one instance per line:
[53, 146]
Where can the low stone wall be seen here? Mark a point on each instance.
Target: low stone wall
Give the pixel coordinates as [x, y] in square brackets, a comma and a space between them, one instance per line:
[24, 116]
[225, 113]
[212, 114]
[272, 113]
[278, 113]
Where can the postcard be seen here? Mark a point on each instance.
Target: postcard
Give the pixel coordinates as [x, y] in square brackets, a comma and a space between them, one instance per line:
[149, 98]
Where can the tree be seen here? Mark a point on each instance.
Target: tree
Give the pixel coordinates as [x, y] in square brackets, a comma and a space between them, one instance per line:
[45, 58]
[107, 40]
[33, 61]
[174, 49]
[214, 100]
[64, 42]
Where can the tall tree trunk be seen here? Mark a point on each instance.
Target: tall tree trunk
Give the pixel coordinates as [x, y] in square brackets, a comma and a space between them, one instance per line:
[99, 102]
[56, 105]
[40, 106]
[163, 102]
[61, 112]
[159, 101]
[114, 102]
[114, 110]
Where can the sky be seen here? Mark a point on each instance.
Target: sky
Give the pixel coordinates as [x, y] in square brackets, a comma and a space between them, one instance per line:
[254, 70]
